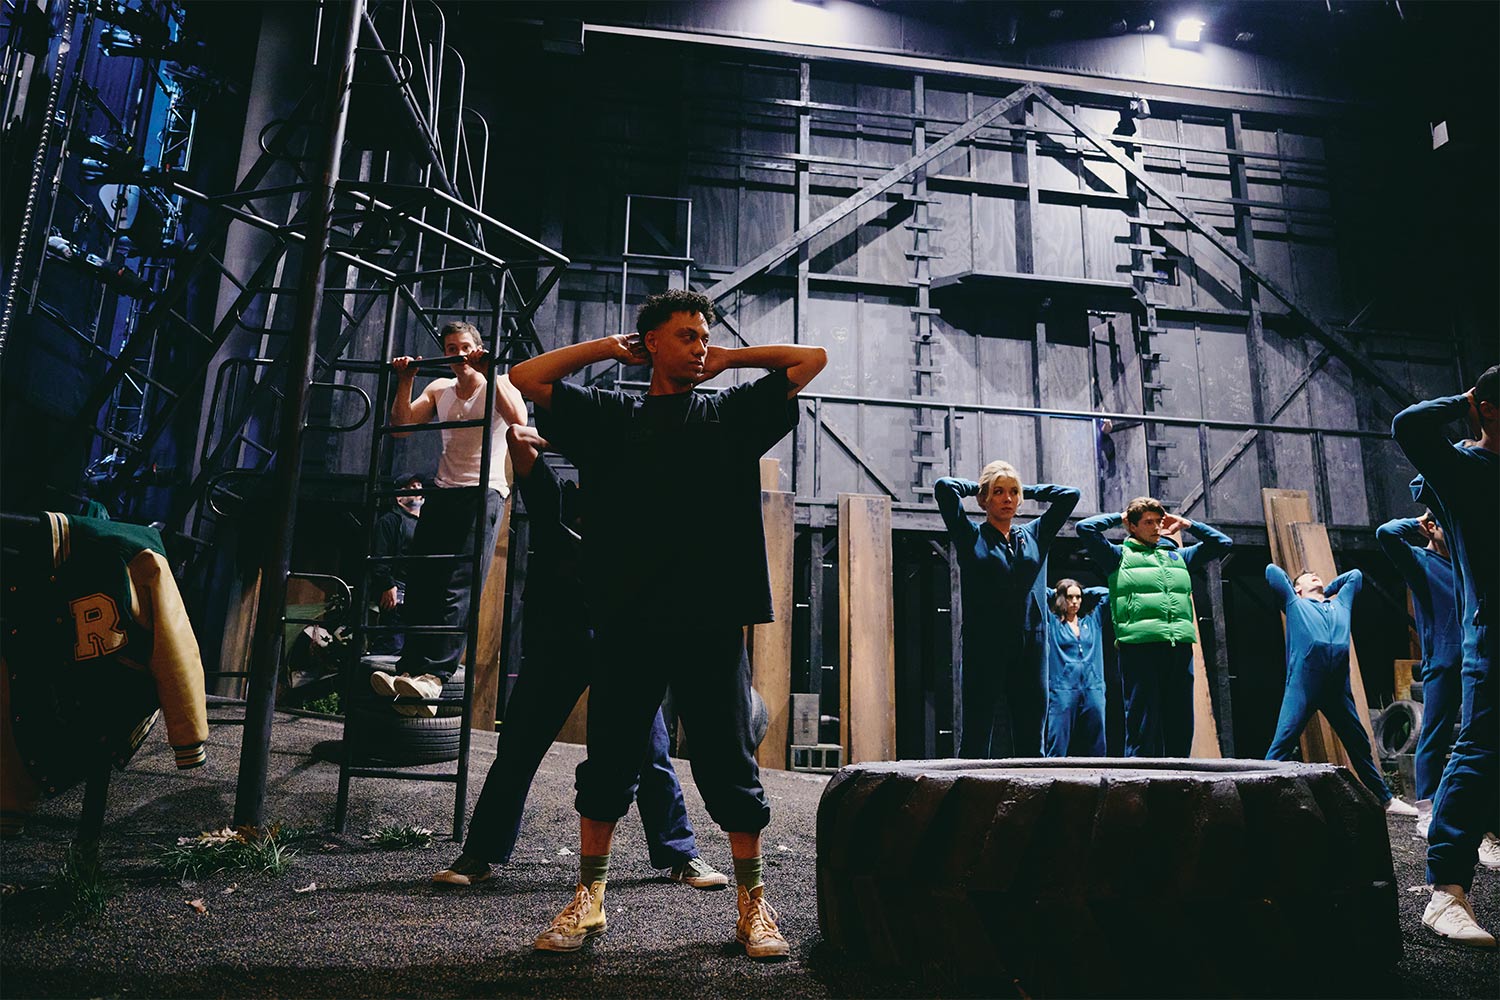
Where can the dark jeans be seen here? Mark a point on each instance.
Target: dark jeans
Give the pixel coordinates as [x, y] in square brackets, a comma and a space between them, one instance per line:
[1467, 804]
[1324, 687]
[1442, 698]
[709, 675]
[1021, 675]
[558, 664]
[438, 590]
[1158, 679]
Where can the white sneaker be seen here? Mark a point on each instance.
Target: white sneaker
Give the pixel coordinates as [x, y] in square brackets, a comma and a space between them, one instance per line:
[1449, 915]
[1424, 817]
[426, 686]
[382, 684]
[1395, 807]
[1489, 851]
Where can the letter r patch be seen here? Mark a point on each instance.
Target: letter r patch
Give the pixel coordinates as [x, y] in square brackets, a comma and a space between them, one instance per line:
[97, 620]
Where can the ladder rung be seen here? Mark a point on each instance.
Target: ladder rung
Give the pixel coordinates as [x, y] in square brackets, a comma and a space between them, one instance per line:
[925, 227]
[153, 382]
[1145, 248]
[926, 254]
[925, 311]
[1153, 386]
[1150, 275]
[1161, 444]
[925, 459]
[927, 369]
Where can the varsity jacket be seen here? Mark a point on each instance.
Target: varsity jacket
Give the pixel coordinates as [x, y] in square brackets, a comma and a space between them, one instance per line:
[96, 646]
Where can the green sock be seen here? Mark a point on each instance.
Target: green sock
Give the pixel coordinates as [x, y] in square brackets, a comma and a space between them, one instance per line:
[593, 868]
[747, 872]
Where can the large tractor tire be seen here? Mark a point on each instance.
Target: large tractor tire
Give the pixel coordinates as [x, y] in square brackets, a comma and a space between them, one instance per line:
[1398, 728]
[1095, 877]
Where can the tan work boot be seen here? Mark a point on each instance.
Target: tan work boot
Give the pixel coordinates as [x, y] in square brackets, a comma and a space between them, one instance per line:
[580, 920]
[756, 929]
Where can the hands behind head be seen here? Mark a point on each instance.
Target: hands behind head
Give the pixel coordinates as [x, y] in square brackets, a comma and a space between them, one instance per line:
[715, 362]
[1172, 524]
[629, 349]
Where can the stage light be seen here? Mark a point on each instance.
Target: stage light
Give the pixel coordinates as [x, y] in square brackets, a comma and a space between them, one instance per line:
[1245, 36]
[1144, 26]
[1190, 30]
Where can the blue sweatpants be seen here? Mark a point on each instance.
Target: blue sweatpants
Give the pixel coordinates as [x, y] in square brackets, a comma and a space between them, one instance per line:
[1317, 685]
[1021, 675]
[1158, 679]
[1442, 697]
[1075, 723]
[1467, 804]
[558, 669]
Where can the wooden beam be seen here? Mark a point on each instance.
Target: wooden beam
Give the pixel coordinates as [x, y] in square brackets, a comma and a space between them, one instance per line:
[867, 638]
[488, 670]
[771, 643]
[1321, 328]
[778, 253]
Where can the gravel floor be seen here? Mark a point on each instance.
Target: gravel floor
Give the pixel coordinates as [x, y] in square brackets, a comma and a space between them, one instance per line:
[375, 926]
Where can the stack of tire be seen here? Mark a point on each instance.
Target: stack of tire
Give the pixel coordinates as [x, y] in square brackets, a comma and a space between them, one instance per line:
[376, 734]
[1093, 877]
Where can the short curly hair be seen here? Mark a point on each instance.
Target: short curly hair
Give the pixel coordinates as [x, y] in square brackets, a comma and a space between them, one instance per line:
[659, 308]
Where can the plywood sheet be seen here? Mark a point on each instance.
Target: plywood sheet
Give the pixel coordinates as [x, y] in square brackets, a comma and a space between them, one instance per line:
[867, 641]
[487, 667]
[771, 643]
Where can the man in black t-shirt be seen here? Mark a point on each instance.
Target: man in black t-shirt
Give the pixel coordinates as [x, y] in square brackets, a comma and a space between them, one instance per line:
[557, 651]
[392, 539]
[674, 563]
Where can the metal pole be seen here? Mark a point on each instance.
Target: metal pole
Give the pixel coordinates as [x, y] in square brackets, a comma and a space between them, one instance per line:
[255, 751]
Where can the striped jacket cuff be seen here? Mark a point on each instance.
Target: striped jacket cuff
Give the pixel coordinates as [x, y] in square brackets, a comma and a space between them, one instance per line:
[192, 755]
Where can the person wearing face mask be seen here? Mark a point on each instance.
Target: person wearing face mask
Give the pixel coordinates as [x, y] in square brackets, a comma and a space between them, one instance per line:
[391, 540]
[1003, 577]
[1151, 603]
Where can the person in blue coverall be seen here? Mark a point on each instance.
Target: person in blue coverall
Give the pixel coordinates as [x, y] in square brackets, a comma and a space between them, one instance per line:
[1151, 605]
[1465, 478]
[1317, 672]
[1420, 552]
[1003, 576]
[1075, 671]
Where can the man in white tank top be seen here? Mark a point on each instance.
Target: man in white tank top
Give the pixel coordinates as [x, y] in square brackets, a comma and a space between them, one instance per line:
[438, 591]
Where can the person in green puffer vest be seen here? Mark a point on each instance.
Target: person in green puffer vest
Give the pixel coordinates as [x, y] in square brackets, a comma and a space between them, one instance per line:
[1151, 602]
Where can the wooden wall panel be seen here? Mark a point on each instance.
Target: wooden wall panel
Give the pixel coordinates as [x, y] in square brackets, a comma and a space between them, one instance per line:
[1099, 172]
[954, 240]
[1273, 258]
[836, 251]
[867, 646]
[1059, 240]
[884, 240]
[994, 222]
[1316, 266]
[837, 470]
[953, 351]
[995, 162]
[765, 217]
[1057, 156]
[1071, 458]
[715, 220]
[832, 321]
[1105, 234]
[771, 643]
[885, 349]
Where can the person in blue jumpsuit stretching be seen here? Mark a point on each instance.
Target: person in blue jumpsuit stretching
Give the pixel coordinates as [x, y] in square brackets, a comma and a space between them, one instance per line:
[1075, 671]
[1003, 575]
[559, 653]
[1151, 605]
[1420, 552]
[1466, 481]
[1317, 672]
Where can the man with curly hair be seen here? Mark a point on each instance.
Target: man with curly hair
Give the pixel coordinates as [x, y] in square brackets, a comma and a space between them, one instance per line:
[674, 560]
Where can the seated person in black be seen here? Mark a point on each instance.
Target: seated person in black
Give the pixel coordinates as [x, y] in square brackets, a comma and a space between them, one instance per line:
[393, 535]
[557, 663]
[675, 562]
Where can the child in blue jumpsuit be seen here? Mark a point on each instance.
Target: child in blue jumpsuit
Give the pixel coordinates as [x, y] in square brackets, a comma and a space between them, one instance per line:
[1075, 672]
[1417, 548]
[1317, 671]
[1003, 574]
[1466, 482]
